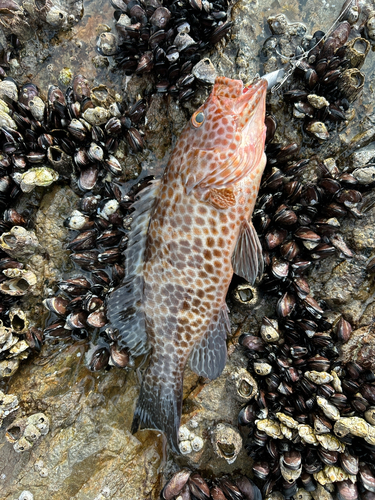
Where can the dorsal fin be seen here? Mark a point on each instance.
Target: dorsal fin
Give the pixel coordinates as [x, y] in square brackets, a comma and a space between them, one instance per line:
[125, 310]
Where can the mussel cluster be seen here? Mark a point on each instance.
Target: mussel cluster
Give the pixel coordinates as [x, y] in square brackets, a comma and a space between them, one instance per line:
[168, 39]
[330, 72]
[73, 137]
[298, 222]
[185, 485]
[311, 427]
[312, 422]
[100, 224]
[75, 133]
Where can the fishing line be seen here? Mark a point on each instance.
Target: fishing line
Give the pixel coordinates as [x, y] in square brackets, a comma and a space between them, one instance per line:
[294, 61]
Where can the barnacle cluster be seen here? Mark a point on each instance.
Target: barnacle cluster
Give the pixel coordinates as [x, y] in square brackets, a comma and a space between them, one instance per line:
[23, 432]
[168, 39]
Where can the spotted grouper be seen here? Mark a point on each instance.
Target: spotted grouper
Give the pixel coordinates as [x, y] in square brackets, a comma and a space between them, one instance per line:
[192, 229]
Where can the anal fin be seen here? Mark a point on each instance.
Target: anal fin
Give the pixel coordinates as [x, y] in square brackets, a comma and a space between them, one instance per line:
[247, 258]
[209, 355]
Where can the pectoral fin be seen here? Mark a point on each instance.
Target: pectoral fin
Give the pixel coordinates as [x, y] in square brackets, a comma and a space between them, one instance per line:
[209, 355]
[247, 258]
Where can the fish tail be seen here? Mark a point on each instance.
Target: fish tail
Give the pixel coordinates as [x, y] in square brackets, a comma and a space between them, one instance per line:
[159, 406]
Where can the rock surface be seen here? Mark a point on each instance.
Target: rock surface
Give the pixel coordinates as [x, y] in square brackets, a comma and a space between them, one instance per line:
[89, 452]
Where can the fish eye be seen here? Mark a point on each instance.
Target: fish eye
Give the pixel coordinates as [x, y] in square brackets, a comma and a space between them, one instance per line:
[197, 119]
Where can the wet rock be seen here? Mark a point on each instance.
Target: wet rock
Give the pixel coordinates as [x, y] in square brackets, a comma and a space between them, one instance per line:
[84, 451]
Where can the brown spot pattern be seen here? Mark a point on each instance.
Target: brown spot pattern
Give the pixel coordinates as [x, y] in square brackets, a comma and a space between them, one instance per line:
[207, 190]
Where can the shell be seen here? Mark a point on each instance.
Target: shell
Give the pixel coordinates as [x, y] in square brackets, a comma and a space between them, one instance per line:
[107, 44]
[269, 330]
[205, 71]
[8, 404]
[8, 88]
[262, 368]
[175, 484]
[19, 242]
[7, 339]
[318, 130]
[330, 442]
[37, 108]
[317, 101]
[226, 442]
[356, 51]
[351, 425]
[31, 433]
[197, 443]
[370, 415]
[18, 348]
[40, 421]
[351, 83]
[270, 427]
[39, 176]
[7, 121]
[8, 367]
[20, 284]
[287, 420]
[57, 17]
[22, 445]
[96, 116]
[307, 434]
[329, 410]
[318, 378]
[18, 320]
[185, 447]
[241, 385]
[246, 294]
[332, 474]
[26, 495]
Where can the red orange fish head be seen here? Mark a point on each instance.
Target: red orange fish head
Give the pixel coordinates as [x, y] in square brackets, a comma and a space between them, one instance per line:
[224, 141]
[229, 111]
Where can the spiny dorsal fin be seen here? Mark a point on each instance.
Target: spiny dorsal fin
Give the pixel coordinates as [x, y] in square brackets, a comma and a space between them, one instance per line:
[125, 310]
[208, 357]
[247, 258]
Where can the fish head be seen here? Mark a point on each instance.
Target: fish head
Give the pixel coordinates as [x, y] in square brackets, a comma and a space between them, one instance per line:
[225, 137]
[230, 111]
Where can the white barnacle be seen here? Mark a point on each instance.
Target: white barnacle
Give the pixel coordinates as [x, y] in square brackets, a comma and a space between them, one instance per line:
[183, 433]
[26, 495]
[185, 447]
[197, 443]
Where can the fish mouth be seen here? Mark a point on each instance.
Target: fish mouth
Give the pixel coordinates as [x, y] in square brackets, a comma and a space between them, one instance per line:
[250, 106]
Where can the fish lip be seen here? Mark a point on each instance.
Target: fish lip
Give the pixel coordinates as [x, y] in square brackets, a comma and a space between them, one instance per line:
[248, 104]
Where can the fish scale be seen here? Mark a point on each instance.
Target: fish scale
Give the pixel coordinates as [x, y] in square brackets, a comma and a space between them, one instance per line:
[197, 233]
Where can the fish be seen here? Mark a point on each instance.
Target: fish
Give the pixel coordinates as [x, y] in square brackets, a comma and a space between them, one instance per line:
[191, 231]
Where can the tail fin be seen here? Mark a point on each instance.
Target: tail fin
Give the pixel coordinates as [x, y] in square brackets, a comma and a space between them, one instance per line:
[159, 407]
